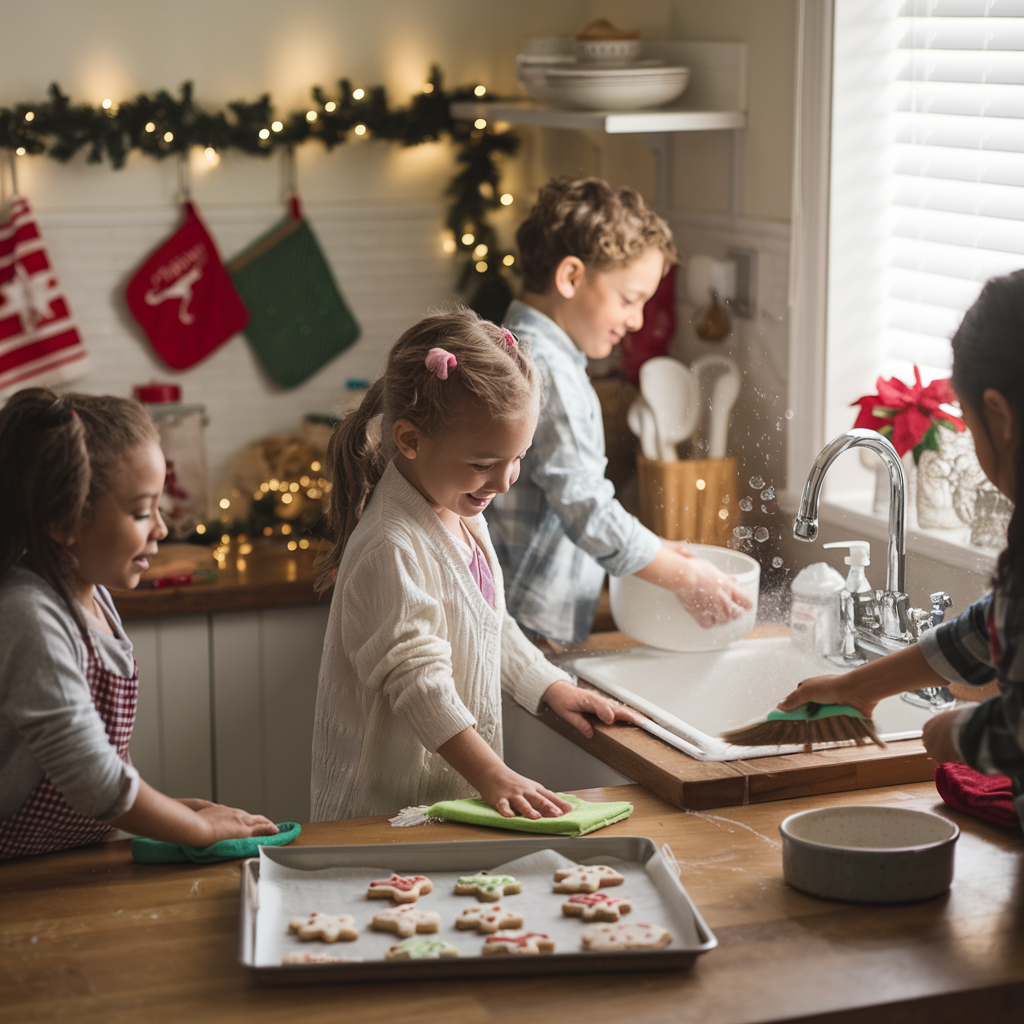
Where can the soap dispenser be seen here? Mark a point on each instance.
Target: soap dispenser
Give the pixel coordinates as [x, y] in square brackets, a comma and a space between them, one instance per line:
[856, 581]
[815, 621]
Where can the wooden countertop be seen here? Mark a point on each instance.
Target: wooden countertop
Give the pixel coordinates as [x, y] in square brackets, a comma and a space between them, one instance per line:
[689, 783]
[251, 574]
[90, 936]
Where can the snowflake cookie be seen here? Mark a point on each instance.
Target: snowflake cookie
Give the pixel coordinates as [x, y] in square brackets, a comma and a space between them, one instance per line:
[605, 938]
[486, 887]
[596, 906]
[518, 944]
[407, 919]
[319, 958]
[400, 889]
[488, 919]
[421, 949]
[586, 878]
[326, 927]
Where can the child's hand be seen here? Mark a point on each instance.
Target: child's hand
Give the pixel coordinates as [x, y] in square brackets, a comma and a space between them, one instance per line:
[828, 690]
[937, 737]
[570, 702]
[510, 793]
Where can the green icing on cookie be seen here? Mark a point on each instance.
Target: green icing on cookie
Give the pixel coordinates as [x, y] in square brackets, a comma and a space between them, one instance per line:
[425, 949]
[489, 883]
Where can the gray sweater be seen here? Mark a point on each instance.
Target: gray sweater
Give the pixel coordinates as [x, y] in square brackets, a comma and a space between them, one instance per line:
[48, 723]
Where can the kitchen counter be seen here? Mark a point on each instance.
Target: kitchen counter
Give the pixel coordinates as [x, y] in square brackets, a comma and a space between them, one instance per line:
[90, 936]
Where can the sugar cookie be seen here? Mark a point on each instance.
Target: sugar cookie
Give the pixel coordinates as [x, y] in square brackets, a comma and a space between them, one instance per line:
[606, 938]
[319, 958]
[595, 906]
[586, 878]
[327, 927]
[407, 919]
[517, 944]
[486, 887]
[399, 889]
[488, 919]
[421, 949]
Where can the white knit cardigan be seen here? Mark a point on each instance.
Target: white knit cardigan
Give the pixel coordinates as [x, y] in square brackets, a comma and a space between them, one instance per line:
[413, 655]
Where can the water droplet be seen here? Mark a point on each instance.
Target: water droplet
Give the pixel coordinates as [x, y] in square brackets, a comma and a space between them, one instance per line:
[756, 482]
[761, 534]
[725, 499]
[743, 532]
[789, 414]
[764, 508]
[777, 562]
[768, 493]
[746, 504]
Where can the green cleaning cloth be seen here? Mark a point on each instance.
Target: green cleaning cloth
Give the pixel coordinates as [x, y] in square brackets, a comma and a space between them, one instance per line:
[298, 320]
[151, 851]
[585, 817]
[811, 712]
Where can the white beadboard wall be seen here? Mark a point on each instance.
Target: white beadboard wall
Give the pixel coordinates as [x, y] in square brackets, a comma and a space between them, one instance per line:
[387, 260]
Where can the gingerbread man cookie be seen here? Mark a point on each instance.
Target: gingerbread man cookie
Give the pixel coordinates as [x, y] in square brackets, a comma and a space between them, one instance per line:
[606, 938]
[407, 919]
[421, 949]
[319, 958]
[586, 878]
[399, 889]
[518, 944]
[596, 906]
[486, 887]
[488, 919]
[327, 927]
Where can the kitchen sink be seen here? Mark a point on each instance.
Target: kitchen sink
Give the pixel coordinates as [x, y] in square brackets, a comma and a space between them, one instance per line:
[692, 697]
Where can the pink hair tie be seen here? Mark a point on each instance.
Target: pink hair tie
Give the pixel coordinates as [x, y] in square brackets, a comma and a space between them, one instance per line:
[440, 361]
[510, 338]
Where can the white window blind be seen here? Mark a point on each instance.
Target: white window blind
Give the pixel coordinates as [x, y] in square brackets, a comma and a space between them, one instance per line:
[957, 162]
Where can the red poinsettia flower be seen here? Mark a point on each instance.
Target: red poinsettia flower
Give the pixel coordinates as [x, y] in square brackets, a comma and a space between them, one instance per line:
[909, 416]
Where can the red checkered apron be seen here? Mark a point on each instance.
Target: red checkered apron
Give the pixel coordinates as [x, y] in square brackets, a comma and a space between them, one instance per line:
[46, 821]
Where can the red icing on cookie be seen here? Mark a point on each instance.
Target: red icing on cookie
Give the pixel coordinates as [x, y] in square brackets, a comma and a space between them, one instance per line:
[398, 882]
[515, 940]
[592, 899]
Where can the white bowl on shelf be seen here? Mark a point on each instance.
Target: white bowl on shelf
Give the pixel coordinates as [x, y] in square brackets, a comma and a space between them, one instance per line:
[608, 49]
[653, 616]
[633, 88]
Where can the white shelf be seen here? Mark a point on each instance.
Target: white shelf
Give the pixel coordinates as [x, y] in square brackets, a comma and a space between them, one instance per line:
[613, 122]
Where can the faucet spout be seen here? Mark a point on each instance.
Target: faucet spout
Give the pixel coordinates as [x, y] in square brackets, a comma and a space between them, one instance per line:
[806, 526]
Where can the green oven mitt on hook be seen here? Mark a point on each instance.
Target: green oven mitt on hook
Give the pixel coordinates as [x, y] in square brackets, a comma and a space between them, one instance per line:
[152, 851]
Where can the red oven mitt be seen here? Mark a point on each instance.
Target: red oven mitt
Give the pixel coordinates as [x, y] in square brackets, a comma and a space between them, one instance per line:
[985, 796]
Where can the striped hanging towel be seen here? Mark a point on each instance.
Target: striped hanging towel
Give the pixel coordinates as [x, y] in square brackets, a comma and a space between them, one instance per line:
[39, 342]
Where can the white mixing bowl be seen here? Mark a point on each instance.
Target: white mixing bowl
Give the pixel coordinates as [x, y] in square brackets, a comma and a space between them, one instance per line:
[652, 615]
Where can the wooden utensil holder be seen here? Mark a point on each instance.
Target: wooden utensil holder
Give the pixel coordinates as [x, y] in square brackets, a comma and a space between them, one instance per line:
[692, 499]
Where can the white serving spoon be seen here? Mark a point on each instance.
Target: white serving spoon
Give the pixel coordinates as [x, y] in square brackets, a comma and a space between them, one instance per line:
[641, 422]
[720, 380]
[673, 394]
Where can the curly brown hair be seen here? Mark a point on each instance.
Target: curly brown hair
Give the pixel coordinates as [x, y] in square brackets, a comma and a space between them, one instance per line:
[588, 218]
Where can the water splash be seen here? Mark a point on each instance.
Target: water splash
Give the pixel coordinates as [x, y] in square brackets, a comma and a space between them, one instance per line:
[776, 562]
[742, 532]
[761, 534]
[790, 414]
[746, 504]
[756, 482]
[768, 494]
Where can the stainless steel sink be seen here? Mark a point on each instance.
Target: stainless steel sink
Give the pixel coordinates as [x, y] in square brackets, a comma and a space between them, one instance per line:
[693, 697]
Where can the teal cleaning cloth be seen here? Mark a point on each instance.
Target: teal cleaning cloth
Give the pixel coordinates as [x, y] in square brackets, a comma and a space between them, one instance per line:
[151, 851]
[585, 817]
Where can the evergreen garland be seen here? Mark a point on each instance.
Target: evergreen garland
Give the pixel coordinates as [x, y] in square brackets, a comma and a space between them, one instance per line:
[161, 125]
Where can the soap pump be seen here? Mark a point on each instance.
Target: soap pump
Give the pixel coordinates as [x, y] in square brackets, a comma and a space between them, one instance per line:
[857, 559]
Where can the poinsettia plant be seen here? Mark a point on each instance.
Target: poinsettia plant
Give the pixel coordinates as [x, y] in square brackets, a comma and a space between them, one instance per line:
[909, 416]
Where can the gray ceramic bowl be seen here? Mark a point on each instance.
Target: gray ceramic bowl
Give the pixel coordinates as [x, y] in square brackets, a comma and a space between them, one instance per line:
[868, 854]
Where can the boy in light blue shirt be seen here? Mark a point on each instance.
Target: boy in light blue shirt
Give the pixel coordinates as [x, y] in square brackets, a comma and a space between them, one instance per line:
[591, 257]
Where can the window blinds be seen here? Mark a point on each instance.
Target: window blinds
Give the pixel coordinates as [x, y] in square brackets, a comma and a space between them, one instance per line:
[957, 199]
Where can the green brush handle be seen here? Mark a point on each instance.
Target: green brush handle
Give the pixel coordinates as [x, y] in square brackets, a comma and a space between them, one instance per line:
[811, 712]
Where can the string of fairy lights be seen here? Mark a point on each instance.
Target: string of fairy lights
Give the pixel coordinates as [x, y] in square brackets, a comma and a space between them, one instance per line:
[161, 125]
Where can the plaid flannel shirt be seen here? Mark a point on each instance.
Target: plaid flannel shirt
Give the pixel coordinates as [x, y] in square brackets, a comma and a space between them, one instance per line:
[560, 528]
[982, 644]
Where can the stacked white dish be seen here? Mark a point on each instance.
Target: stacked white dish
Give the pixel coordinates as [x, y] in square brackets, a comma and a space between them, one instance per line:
[563, 72]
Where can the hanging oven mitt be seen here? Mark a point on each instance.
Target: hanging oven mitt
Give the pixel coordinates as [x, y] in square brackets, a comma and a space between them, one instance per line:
[298, 318]
[183, 297]
[585, 817]
[151, 851]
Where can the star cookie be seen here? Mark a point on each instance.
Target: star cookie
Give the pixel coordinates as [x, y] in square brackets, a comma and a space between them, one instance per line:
[595, 906]
[407, 919]
[421, 949]
[605, 938]
[488, 919]
[586, 878]
[486, 887]
[326, 927]
[399, 889]
[518, 944]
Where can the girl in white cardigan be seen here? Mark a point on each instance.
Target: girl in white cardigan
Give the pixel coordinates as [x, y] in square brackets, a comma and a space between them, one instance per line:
[419, 645]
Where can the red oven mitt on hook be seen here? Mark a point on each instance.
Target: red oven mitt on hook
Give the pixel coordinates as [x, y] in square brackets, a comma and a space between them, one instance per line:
[184, 298]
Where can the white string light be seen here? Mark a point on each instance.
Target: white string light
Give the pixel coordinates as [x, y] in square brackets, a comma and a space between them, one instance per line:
[480, 90]
[277, 126]
[264, 133]
[481, 267]
[429, 87]
[507, 199]
[360, 129]
[107, 104]
[480, 122]
[212, 156]
[330, 106]
[468, 238]
[168, 136]
[150, 127]
[20, 151]
[311, 115]
[358, 94]
[508, 260]
[29, 115]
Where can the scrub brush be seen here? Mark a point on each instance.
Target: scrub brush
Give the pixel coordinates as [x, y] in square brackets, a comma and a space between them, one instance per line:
[808, 724]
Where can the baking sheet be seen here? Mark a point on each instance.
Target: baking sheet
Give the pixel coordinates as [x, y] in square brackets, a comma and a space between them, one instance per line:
[333, 880]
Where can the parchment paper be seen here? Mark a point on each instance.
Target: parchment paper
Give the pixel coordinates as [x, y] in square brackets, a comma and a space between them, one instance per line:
[285, 893]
